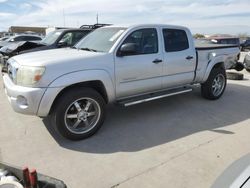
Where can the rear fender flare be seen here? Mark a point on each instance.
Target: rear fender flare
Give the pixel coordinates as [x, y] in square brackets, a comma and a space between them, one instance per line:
[216, 61]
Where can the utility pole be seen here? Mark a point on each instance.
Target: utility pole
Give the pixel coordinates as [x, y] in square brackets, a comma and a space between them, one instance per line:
[63, 18]
[97, 18]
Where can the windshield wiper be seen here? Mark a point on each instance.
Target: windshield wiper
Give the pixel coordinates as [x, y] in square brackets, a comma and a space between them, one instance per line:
[88, 49]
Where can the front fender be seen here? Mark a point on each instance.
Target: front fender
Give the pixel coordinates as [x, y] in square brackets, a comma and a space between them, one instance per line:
[57, 85]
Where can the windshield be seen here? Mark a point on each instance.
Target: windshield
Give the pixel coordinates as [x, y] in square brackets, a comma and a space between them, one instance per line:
[51, 37]
[101, 40]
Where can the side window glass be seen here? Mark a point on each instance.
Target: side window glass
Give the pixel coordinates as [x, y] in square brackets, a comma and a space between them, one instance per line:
[175, 40]
[67, 39]
[77, 36]
[35, 38]
[145, 40]
[28, 38]
[18, 38]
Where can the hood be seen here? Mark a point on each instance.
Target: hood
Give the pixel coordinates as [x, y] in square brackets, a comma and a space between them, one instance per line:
[55, 56]
[3, 43]
[38, 47]
[15, 48]
[10, 47]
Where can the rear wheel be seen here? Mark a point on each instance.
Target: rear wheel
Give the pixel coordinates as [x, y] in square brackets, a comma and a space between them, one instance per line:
[79, 113]
[215, 85]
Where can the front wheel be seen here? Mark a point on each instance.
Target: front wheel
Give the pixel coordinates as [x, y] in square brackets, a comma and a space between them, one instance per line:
[215, 85]
[79, 113]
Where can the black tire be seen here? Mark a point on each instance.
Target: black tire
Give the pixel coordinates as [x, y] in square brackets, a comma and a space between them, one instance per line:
[235, 76]
[66, 107]
[207, 88]
[239, 66]
[248, 70]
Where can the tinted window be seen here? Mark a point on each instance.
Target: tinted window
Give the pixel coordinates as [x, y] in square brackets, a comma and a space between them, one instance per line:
[21, 38]
[26, 38]
[77, 36]
[31, 38]
[67, 39]
[146, 41]
[71, 38]
[175, 40]
[228, 41]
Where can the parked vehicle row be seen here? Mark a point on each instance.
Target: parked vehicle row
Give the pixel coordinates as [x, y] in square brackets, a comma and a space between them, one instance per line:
[125, 65]
[4, 44]
[57, 39]
[19, 38]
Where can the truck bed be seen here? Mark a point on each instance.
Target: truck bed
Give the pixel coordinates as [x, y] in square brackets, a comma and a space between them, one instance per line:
[204, 49]
[209, 46]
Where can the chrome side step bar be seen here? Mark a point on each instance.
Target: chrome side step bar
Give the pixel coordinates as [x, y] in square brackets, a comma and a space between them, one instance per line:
[154, 96]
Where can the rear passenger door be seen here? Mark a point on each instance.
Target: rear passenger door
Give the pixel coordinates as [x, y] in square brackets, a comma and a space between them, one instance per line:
[179, 58]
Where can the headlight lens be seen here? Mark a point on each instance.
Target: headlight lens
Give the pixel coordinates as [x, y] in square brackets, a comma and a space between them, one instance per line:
[28, 76]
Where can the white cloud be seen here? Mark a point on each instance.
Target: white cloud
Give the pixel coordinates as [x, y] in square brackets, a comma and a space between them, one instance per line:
[197, 14]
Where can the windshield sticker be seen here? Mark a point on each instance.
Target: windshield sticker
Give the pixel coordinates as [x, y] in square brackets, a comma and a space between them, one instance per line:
[114, 37]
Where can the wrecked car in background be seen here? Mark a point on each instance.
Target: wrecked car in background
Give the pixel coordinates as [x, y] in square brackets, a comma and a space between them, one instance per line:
[19, 38]
[13, 41]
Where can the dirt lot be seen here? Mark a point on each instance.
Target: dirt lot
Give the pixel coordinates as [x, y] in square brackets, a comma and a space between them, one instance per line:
[181, 141]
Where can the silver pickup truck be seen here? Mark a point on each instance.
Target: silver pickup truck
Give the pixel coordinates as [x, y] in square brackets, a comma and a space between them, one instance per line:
[115, 64]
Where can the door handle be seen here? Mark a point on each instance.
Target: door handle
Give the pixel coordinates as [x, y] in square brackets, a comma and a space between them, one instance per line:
[156, 61]
[189, 57]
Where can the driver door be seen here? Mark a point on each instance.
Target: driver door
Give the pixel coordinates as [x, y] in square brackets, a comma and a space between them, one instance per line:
[140, 72]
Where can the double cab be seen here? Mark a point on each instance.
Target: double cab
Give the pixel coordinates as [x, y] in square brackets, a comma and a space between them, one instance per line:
[126, 65]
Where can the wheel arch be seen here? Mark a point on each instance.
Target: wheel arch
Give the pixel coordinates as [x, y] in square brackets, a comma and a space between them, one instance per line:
[99, 80]
[94, 84]
[211, 66]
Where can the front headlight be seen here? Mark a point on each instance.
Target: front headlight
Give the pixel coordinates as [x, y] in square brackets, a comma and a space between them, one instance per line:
[28, 76]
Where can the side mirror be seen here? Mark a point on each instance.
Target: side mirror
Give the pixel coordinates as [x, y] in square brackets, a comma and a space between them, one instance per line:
[127, 49]
[62, 44]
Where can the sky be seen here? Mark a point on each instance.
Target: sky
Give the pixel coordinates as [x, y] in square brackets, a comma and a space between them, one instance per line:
[201, 16]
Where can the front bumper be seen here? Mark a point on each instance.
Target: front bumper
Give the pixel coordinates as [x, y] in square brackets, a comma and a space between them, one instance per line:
[23, 100]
